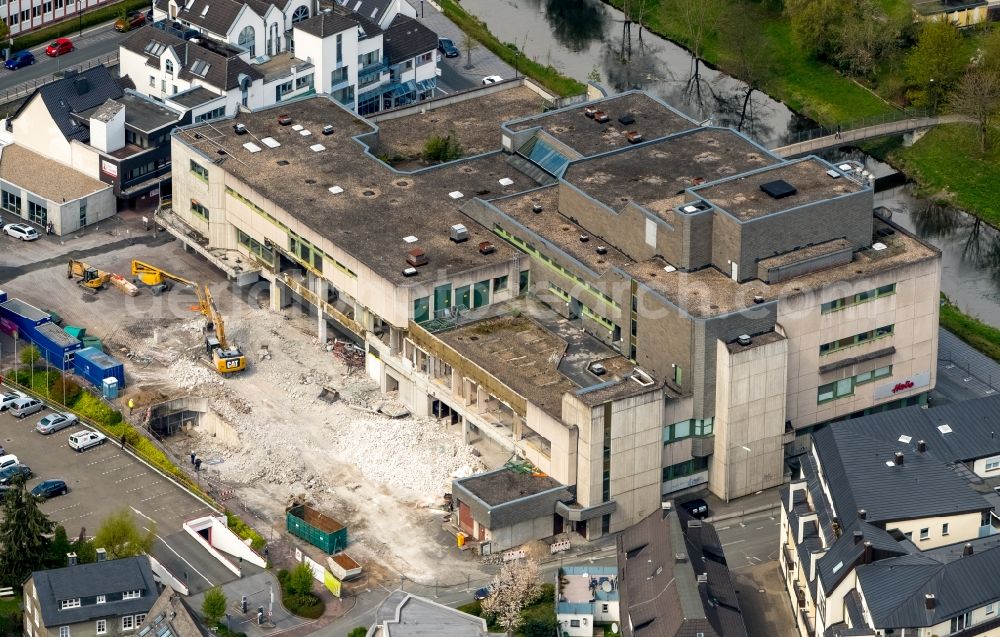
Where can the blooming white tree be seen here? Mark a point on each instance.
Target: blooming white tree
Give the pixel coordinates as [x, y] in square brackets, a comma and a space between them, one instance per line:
[513, 588]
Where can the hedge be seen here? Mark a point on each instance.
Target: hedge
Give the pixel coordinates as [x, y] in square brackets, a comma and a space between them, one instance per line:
[108, 13]
[245, 531]
[309, 605]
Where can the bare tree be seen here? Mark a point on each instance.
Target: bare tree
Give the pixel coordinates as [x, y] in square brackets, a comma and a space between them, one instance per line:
[977, 96]
[749, 56]
[470, 44]
[697, 21]
[513, 588]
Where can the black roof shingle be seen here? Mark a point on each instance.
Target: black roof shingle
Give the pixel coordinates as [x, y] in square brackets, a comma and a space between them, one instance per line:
[74, 94]
[406, 39]
[110, 578]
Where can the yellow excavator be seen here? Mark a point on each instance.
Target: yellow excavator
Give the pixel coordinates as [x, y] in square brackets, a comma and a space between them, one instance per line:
[227, 359]
[158, 281]
[94, 280]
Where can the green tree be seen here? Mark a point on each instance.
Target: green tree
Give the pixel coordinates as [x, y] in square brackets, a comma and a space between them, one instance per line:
[121, 537]
[24, 546]
[817, 24]
[540, 626]
[300, 580]
[59, 548]
[214, 606]
[360, 631]
[977, 97]
[30, 354]
[935, 64]
[439, 148]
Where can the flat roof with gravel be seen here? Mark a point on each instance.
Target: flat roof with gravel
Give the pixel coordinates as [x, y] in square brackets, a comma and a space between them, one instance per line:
[650, 117]
[504, 485]
[45, 177]
[371, 208]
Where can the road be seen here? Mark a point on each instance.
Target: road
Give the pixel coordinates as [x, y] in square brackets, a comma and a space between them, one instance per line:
[751, 540]
[96, 42]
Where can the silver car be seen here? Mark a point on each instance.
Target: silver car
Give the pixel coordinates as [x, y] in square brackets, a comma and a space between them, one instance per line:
[25, 407]
[55, 421]
[8, 398]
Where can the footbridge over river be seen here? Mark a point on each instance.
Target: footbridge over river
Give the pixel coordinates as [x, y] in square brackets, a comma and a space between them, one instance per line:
[823, 139]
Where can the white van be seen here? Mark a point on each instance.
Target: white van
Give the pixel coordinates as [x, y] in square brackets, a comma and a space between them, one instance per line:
[83, 440]
[8, 461]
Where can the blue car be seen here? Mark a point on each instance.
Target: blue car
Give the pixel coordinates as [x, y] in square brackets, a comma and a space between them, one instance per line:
[448, 47]
[19, 59]
[49, 489]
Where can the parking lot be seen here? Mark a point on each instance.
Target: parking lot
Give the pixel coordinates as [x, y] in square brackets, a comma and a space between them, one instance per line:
[103, 480]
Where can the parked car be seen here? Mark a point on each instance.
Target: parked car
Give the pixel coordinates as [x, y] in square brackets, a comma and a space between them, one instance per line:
[21, 231]
[8, 460]
[9, 474]
[132, 20]
[55, 421]
[84, 439]
[20, 59]
[8, 398]
[696, 508]
[448, 47]
[482, 593]
[60, 46]
[149, 15]
[26, 406]
[491, 79]
[49, 489]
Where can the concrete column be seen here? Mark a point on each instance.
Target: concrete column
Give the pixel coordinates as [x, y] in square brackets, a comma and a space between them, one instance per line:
[481, 398]
[320, 290]
[465, 432]
[517, 426]
[278, 293]
[395, 340]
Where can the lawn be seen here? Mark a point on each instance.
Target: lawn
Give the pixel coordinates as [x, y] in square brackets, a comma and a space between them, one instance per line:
[983, 337]
[946, 163]
[803, 83]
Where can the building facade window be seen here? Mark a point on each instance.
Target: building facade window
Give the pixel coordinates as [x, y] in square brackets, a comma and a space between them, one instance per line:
[10, 202]
[686, 428]
[141, 617]
[425, 58]
[340, 48]
[168, 67]
[500, 283]
[248, 39]
[421, 310]
[102, 627]
[684, 469]
[993, 464]
[255, 247]
[69, 603]
[128, 622]
[925, 534]
[198, 209]
[944, 529]
[857, 339]
[215, 113]
[300, 14]
[131, 594]
[854, 299]
[961, 622]
[101, 599]
[38, 213]
[845, 386]
[64, 631]
[200, 171]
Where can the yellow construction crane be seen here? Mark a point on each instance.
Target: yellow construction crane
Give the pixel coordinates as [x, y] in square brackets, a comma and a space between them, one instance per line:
[157, 280]
[225, 358]
[92, 279]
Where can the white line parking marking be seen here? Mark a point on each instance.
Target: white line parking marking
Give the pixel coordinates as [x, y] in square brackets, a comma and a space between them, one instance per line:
[733, 542]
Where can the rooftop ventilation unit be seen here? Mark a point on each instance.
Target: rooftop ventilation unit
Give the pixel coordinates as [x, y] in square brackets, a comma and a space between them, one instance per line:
[597, 369]
[626, 120]
[305, 133]
[285, 120]
[458, 233]
[668, 505]
[416, 257]
[270, 142]
[601, 117]
[410, 239]
[833, 174]
[295, 127]
[240, 129]
[335, 190]
[410, 272]
[590, 111]
[633, 136]
[778, 189]
[584, 238]
[695, 206]
[668, 269]
[878, 247]
[945, 429]
[456, 194]
[536, 208]
[758, 299]
[316, 148]
[485, 247]
[602, 249]
[744, 339]
[846, 167]
[252, 147]
[506, 181]
[328, 129]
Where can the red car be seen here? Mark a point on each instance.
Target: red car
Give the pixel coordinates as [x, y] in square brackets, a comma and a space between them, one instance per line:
[59, 47]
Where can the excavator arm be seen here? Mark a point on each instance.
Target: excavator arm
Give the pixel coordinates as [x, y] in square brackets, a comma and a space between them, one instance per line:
[152, 275]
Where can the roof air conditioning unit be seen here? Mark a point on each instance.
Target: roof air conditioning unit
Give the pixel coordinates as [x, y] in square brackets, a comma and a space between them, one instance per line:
[416, 257]
[633, 136]
[410, 272]
[240, 129]
[602, 249]
[459, 233]
[486, 247]
[743, 339]
[601, 117]
[598, 369]
[328, 129]
[285, 120]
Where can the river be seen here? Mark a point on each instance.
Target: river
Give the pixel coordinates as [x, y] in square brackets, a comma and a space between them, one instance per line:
[581, 37]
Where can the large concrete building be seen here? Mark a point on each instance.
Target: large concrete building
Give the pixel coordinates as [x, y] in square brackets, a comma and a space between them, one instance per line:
[631, 303]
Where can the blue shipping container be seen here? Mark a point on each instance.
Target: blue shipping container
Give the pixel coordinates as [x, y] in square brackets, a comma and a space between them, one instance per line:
[25, 315]
[94, 365]
[56, 345]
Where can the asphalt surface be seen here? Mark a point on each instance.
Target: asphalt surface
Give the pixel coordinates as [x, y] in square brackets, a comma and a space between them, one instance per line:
[96, 42]
[102, 481]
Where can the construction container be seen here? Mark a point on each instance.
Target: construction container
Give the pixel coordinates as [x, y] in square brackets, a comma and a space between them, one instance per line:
[319, 530]
[55, 345]
[343, 566]
[93, 341]
[75, 332]
[109, 388]
[24, 315]
[95, 366]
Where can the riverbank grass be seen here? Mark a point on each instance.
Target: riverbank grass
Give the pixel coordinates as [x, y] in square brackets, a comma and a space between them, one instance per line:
[803, 83]
[947, 165]
[547, 76]
[983, 337]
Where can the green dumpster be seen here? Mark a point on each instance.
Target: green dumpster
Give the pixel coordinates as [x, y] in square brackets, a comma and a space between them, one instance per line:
[319, 530]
